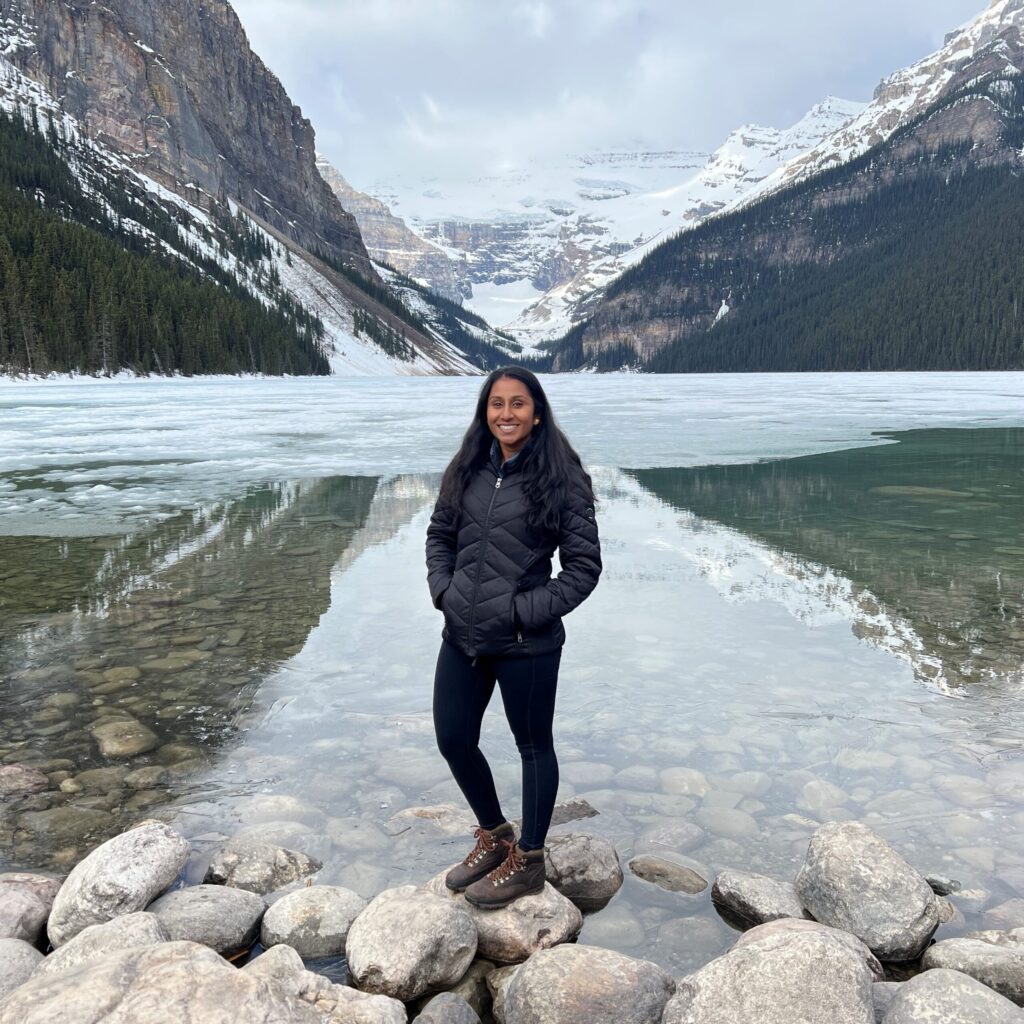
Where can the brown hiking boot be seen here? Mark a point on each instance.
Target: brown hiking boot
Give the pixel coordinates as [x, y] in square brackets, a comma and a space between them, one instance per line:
[520, 874]
[488, 853]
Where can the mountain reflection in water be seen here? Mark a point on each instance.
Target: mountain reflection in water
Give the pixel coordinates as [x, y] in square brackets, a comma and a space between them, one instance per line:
[928, 530]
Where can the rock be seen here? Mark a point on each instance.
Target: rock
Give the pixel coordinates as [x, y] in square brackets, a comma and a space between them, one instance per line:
[121, 876]
[130, 931]
[448, 1008]
[408, 941]
[667, 874]
[949, 997]
[943, 886]
[65, 824]
[584, 869]
[729, 824]
[882, 995]
[750, 899]
[101, 780]
[446, 819]
[18, 959]
[148, 778]
[21, 780]
[853, 880]
[174, 981]
[472, 987]
[685, 782]
[585, 983]
[123, 737]
[258, 867]
[25, 902]
[314, 921]
[280, 965]
[339, 1004]
[498, 982]
[515, 932]
[792, 925]
[576, 809]
[223, 918]
[675, 834]
[786, 977]
[1000, 966]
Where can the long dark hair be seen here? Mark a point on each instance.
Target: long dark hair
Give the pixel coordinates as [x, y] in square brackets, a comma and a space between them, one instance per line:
[550, 464]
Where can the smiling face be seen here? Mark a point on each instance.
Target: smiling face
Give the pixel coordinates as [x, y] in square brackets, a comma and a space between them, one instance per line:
[511, 415]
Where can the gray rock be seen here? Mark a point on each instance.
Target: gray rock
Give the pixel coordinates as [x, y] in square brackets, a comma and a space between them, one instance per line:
[515, 932]
[174, 981]
[123, 875]
[65, 823]
[258, 867]
[445, 819]
[18, 959]
[668, 874]
[448, 1008]
[949, 997]
[217, 916]
[339, 1004]
[808, 977]
[472, 987]
[408, 941]
[943, 886]
[498, 982]
[281, 966]
[793, 926]
[25, 902]
[21, 780]
[584, 869]
[751, 899]
[1000, 966]
[130, 931]
[585, 983]
[882, 995]
[314, 921]
[852, 879]
[123, 737]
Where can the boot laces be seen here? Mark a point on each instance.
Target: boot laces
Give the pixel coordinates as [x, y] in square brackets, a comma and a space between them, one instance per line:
[514, 862]
[485, 843]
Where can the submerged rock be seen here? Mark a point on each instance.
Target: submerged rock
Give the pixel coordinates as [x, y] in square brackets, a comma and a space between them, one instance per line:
[668, 874]
[259, 867]
[21, 780]
[123, 737]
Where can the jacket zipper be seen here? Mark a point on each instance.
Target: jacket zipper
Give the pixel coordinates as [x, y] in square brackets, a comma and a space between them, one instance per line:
[480, 564]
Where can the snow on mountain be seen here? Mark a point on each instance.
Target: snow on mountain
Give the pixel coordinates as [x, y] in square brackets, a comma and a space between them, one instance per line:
[902, 96]
[540, 243]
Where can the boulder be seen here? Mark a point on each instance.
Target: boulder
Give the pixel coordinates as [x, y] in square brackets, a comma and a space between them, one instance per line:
[25, 902]
[18, 959]
[217, 916]
[585, 983]
[998, 965]
[123, 875]
[515, 932]
[882, 995]
[854, 880]
[408, 941]
[793, 926]
[130, 931]
[472, 987]
[808, 977]
[583, 868]
[258, 867]
[174, 981]
[448, 1008]
[668, 873]
[750, 899]
[498, 982]
[949, 997]
[314, 921]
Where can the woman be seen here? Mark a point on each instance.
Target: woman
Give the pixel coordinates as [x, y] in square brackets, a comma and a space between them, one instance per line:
[514, 492]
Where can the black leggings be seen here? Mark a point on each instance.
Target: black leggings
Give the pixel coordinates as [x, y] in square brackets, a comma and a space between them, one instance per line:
[462, 689]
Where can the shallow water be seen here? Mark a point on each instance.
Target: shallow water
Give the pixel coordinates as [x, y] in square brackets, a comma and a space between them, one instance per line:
[826, 636]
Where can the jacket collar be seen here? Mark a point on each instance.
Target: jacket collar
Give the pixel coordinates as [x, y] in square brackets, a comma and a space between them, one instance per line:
[515, 462]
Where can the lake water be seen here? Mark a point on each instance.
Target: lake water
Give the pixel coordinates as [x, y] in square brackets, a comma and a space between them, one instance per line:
[812, 609]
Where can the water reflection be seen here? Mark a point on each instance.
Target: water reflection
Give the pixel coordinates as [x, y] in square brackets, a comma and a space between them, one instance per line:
[167, 634]
[920, 540]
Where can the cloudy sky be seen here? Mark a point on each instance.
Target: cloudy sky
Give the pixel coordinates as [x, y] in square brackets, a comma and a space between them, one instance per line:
[442, 86]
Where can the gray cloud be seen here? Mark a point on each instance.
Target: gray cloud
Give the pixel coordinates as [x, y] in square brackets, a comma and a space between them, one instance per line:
[438, 85]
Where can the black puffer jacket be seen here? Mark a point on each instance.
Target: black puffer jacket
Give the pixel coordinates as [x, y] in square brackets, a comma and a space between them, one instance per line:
[490, 572]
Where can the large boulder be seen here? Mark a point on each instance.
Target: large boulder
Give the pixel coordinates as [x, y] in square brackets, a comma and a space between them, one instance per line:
[408, 941]
[585, 983]
[18, 959]
[808, 977]
[515, 932]
[175, 981]
[793, 926]
[583, 868]
[998, 965]
[853, 879]
[123, 875]
[130, 931]
[949, 997]
[750, 899]
[25, 902]
[222, 918]
[258, 867]
[314, 921]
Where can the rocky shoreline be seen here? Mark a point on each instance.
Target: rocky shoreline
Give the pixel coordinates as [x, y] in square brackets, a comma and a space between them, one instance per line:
[852, 940]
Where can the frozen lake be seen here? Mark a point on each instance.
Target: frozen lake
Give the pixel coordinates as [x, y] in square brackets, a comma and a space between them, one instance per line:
[237, 568]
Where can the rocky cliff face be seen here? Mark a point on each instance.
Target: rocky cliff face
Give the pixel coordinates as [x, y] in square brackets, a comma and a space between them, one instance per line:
[175, 87]
[389, 240]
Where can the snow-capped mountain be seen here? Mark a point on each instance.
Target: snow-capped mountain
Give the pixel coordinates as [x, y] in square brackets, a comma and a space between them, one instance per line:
[540, 243]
